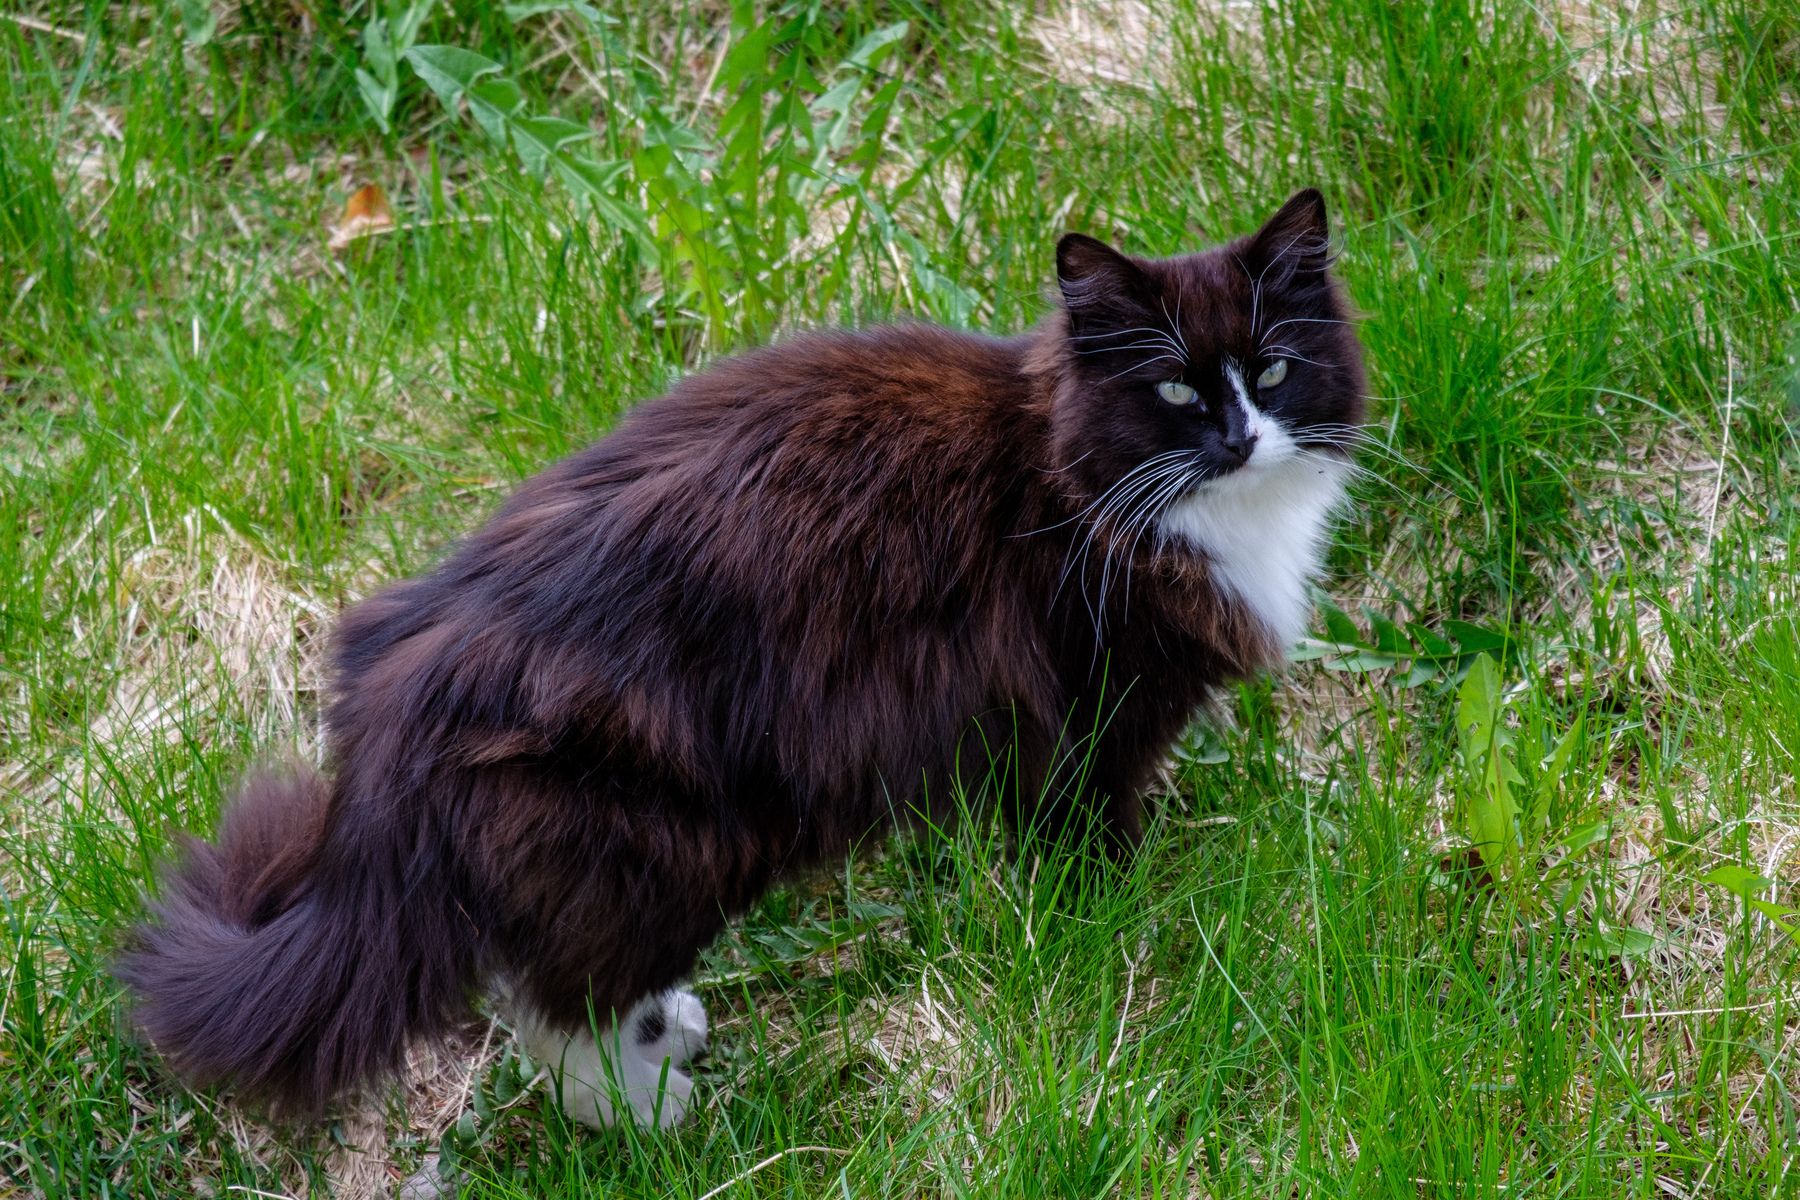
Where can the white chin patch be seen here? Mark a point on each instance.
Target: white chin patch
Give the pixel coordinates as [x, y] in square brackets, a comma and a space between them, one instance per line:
[1263, 526]
[638, 1066]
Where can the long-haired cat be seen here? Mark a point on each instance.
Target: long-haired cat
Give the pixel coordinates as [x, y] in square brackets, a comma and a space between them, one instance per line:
[775, 610]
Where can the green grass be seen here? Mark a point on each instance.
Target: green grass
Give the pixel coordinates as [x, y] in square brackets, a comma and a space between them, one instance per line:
[1576, 237]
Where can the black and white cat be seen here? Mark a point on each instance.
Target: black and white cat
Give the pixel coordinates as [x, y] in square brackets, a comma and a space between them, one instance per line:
[779, 605]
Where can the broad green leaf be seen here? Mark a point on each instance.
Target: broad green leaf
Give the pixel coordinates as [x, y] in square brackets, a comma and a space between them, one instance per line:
[483, 1104]
[536, 138]
[449, 70]
[1429, 642]
[1779, 914]
[1556, 765]
[587, 12]
[840, 97]
[405, 27]
[1362, 660]
[1553, 771]
[584, 176]
[1748, 886]
[592, 182]
[199, 22]
[750, 57]
[870, 148]
[659, 130]
[377, 98]
[869, 912]
[1205, 746]
[1618, 943]
[1338, 626]
[1473, 639]
[1581, 837]
[790, 113]
[956, 303]
[1571, 892]
[506, 1083]
[491, 102]
[876, 46]
[1388, 638]
[378, 51]
[1423, 671]
[1478, 706]
[1312, 649]
[1491, 813]
[1739, 881]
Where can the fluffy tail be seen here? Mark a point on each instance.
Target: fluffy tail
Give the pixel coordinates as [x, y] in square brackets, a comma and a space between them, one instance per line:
[296, 957]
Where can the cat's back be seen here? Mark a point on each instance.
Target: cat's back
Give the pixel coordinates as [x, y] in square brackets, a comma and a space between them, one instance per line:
[785, 511]
[881, 443]
[761, 566]
[843, 399]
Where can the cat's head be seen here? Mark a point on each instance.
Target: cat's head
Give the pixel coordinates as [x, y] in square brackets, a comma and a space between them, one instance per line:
[1222, 368]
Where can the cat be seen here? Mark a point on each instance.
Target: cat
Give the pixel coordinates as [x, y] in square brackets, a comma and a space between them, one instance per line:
[807, 594]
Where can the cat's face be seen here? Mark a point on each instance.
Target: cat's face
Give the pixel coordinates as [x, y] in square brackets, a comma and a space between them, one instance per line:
[1221, 370]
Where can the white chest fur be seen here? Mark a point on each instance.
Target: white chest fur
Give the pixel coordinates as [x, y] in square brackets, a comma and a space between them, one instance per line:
[1263, 528]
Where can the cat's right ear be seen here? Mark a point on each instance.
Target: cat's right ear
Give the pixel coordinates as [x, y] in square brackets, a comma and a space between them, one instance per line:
[1092, 274]
[1296, 241]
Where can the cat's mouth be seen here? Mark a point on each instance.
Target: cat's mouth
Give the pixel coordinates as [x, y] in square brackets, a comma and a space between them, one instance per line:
[1270, 453]
[1226, 474]
[1275, 469]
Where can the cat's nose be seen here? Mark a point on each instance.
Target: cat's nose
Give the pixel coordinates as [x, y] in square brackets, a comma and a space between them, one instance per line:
[1241, 444]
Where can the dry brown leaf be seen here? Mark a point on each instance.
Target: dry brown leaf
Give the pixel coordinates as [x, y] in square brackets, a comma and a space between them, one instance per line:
[367, 213]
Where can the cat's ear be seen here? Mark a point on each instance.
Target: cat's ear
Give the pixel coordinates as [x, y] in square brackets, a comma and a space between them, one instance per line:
[1296, 241]
[1096, 279]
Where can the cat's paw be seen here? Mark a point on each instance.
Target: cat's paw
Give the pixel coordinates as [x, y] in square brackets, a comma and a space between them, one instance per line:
[637, 1067]
[596, 1087]
[670, 1025]
[657, 1097]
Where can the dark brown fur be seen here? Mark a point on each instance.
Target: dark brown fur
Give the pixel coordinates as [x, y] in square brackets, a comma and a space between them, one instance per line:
[777, 609]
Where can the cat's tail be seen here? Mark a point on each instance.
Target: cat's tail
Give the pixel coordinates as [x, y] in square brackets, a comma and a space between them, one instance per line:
[297, 955]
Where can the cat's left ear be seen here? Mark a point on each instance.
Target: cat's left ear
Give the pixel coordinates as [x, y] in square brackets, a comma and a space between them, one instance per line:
[1092, 275]
[1296, 241]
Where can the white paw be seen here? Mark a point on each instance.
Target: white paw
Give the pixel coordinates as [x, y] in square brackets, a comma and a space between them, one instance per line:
[671, 1026]
[637, 1065]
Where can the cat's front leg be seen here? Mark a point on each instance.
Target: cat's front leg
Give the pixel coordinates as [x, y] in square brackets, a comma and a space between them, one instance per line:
[1113, 778]
[1121, 823]
[1087, 800]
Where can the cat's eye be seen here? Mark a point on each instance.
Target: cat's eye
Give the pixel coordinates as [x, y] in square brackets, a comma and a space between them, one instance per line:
[1272, 374]
[1176, 392]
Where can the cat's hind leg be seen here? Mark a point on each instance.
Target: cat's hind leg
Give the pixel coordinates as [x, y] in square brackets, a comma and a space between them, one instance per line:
[600, 895]
[638, 1065]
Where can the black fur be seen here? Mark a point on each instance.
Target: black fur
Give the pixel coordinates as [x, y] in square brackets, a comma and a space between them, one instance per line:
[796, 598]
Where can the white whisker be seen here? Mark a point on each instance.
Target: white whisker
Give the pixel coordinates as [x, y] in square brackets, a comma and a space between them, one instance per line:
[1119, 333]
[1255, 293]
[1137, 367]
[1301, 321]
[1171, 491]
[1174, 324]
[1128, 518]
[1146, 344]
[1103, 511]
[1288, 352]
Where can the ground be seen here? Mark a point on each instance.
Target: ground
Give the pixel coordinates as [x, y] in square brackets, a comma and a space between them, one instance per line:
[238, 391]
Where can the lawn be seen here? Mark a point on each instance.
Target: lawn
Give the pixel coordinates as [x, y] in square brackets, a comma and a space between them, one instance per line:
[1564, 609]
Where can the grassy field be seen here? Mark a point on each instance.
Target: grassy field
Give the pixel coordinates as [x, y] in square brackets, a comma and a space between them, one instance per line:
[1575, 232]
